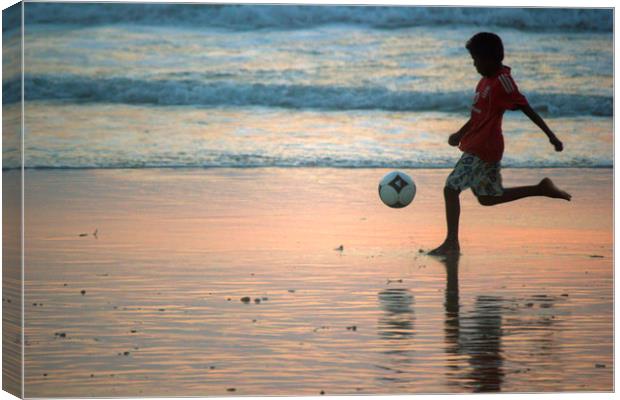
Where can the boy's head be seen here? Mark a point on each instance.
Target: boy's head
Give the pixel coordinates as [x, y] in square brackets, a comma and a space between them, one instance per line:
[487, 51]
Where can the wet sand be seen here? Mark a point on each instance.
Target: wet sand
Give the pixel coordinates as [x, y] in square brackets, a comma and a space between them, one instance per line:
[152, 304]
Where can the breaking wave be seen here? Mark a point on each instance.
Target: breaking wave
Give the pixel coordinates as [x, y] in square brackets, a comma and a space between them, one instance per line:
[81, 89]
[287, 17]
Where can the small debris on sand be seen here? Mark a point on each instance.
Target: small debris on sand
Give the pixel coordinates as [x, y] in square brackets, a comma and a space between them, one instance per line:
[565, 294]
[521, 371]
[322, 392]
[83, 292]
[339, 248]
[44, 374]
[245, 300]
[64, 284]
[126, 353]
[394, 281]
[420, 251]
[92, 375]
[265, 298]
[231, 390]
[212, 367]
[60, 334]
[162, 309]
[530, 304]
[596, 256]
[257, 301]
[133, 331]
[599, 365]
[291, 290]
[352, 328]
[253, 321]
[83, 234]
[228, 299]
[323, 327]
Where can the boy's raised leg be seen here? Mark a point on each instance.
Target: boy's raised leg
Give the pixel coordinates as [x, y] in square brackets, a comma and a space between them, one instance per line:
[453, 212]
[545, 187]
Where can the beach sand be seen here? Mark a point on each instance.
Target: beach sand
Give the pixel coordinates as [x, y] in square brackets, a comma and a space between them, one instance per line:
[152, 304]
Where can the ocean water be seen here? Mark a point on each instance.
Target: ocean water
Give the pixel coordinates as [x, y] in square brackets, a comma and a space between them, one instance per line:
[156, 85]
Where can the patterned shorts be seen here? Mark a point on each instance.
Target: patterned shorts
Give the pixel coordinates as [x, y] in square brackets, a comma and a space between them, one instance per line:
[483, 178]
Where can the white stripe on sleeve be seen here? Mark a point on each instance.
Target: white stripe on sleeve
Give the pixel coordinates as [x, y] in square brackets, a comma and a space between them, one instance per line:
[506, 83]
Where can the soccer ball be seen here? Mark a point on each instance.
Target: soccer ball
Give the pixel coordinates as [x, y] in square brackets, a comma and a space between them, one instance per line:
[396, 189]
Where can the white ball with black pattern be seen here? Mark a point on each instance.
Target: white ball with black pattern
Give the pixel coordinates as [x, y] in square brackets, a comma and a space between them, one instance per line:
[397, 189]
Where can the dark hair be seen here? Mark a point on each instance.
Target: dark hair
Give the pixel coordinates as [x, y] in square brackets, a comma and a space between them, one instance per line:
[486, 45]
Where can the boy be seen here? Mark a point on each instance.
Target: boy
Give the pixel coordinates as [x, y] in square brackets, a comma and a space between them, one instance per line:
[482, 143]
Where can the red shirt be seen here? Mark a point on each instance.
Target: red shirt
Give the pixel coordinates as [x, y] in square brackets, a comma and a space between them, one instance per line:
[494, 95]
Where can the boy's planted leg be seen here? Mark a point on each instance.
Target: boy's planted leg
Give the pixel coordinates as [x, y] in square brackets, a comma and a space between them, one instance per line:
[453, 212]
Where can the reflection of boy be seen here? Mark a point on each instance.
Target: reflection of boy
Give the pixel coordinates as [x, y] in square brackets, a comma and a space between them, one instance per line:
[482, 142]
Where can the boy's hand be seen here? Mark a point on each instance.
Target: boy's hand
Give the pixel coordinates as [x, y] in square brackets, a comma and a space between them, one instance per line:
[556, 143]
[454, 139]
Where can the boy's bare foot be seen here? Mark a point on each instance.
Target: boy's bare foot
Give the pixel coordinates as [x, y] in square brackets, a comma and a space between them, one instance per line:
[550, 190]
[447, 248]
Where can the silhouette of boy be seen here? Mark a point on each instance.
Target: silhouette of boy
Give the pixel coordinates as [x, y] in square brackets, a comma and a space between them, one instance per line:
[482, 142]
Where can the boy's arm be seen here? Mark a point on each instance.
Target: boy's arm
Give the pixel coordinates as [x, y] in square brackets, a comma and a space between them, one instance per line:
[537, 119]
[455, 138]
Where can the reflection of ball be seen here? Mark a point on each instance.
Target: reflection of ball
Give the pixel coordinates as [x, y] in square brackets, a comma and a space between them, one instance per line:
[396, 189]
